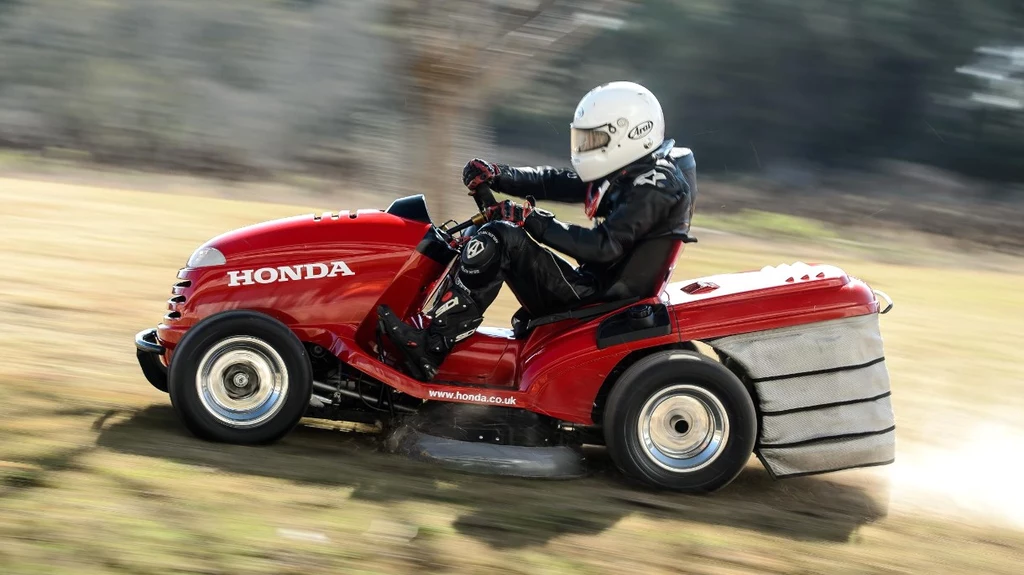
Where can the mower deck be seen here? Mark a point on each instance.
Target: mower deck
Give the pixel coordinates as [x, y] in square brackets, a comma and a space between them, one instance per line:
[488, 440]
[558, 462]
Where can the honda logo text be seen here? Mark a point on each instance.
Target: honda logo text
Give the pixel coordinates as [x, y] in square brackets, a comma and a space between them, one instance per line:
[289, 273]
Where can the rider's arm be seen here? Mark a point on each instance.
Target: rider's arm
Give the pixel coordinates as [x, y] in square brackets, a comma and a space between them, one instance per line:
[608, 241]
[544, 183]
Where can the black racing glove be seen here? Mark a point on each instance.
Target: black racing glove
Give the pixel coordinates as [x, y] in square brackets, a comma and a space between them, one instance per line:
[537, 224]
[478, 172]
[510, 211]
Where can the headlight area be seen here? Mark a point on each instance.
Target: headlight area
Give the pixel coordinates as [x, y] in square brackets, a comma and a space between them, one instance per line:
[205, 257]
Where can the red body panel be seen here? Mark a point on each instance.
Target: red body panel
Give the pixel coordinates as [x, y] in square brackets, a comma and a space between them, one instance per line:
[767, 299]
[486, 358]
[563, 369]
[378, 247]
[557, 370]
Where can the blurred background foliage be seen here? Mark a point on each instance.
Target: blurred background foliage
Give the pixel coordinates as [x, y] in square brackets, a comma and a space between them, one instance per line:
[222, 86]
[826, 82]
[250, 87]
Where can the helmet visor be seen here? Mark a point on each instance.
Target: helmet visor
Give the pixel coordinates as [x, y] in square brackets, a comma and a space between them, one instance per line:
[590, 139]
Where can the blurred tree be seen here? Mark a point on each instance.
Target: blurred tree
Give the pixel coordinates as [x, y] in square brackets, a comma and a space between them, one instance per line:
[456, 56]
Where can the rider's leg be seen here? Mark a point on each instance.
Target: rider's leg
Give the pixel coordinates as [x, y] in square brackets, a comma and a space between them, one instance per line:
[542, 281]
[498, 252]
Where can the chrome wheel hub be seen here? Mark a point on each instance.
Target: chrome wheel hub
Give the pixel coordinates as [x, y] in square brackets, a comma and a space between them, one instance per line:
[683, 428]
[242, 381]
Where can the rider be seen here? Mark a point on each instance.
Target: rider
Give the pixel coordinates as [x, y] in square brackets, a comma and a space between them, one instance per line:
[624, 171]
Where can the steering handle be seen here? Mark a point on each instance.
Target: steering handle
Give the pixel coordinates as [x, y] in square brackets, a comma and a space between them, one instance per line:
[477, 220]
[484, 197]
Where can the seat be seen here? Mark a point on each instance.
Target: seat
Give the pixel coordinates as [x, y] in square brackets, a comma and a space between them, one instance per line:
[616, 297]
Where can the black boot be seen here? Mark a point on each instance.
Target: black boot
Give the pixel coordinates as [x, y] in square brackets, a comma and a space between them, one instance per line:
[455, 317]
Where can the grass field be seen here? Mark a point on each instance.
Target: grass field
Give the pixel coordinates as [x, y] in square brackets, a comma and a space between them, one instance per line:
[97, 476]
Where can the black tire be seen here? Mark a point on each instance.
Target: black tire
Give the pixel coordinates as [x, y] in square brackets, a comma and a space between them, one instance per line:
[240, 329]
[680, 374]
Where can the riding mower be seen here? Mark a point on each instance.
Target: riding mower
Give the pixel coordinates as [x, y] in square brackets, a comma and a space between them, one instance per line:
[276, 322]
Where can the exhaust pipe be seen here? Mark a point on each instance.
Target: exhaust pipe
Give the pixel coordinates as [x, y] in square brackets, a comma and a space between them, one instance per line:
[330, 389]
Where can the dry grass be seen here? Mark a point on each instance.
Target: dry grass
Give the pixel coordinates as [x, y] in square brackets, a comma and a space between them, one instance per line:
[96, 475]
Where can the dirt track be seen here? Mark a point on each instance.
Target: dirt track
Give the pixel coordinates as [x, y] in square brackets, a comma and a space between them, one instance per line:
[96, 475]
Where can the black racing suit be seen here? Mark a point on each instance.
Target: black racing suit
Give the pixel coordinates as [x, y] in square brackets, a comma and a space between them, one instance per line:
[646, 207]
[651, 199]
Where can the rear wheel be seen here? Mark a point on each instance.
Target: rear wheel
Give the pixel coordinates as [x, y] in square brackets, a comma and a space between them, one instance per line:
[678, 420]
[240, 377]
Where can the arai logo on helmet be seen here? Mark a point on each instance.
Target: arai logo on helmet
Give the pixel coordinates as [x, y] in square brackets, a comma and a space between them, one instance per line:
[641, 130]
[289, 273]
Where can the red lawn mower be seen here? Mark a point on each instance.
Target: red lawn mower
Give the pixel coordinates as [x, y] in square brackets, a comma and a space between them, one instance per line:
[277, 321]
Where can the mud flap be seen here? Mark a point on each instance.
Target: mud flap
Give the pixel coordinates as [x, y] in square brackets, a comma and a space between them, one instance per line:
[148, 351]
[822, 393]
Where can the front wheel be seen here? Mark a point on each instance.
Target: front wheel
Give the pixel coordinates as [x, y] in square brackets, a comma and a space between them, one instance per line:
[240, 377]
[681, 421]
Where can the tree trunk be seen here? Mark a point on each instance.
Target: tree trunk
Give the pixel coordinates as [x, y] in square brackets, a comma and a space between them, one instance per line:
[456, 55]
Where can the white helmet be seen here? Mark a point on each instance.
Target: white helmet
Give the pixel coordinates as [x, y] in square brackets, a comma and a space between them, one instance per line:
[615, 124]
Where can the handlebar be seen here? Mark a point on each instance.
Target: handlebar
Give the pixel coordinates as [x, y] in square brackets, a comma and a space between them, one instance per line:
[476, 220]
[484, 198]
